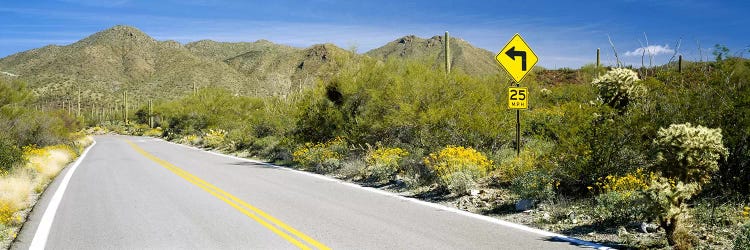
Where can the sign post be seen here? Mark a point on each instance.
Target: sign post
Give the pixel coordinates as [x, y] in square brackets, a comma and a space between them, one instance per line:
[517, 59]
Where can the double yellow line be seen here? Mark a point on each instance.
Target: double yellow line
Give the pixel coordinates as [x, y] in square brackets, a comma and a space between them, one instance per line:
[266, 220]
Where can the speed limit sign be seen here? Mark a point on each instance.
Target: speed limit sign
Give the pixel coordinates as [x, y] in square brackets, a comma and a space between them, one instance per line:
[518, 98]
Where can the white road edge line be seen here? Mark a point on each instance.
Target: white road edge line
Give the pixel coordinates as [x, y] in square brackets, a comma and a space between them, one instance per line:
[42, 232]
[552, 235]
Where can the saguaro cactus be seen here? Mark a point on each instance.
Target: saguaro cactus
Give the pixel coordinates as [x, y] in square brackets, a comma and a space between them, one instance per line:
[447, 52]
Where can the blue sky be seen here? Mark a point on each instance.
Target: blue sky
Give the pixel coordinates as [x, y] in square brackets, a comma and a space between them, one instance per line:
[562, 33]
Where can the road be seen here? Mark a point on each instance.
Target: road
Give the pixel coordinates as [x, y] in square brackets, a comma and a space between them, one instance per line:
[145, 193]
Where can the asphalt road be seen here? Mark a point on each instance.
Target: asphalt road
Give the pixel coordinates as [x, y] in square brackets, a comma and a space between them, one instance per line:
[144, 193]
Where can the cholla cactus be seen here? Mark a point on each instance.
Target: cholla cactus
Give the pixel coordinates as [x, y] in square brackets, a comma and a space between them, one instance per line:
[618, 87]
[688, 153]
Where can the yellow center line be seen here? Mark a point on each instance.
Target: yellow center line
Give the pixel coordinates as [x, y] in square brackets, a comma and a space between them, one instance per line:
[238, 204]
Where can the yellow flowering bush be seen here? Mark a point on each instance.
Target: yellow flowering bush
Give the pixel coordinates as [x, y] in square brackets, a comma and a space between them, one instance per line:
[746, 212]
[623, 197]
[383, 163]
[321, 157]
[627, 184]
[6, 213]
[458, 168]
[154, 132]
[215, 138]
[14, 193]
[190, 139]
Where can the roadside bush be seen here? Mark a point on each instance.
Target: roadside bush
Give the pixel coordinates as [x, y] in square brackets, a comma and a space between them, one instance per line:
[536, 185]
[622, 198]
[14, 193]
[321, 157]
[137, 129]
[742, 239]
[48, 161]
[10, 155]
[154, 132]
[215, 138]
[458, 168]
[191, 140]
[511, 167]
[271, 148]
[383, 163]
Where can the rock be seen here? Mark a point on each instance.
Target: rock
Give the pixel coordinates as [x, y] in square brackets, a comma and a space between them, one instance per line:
[524, 204]
[474, 192]
[622, 231]
[546, 217]
[648, 227]
[572, 215]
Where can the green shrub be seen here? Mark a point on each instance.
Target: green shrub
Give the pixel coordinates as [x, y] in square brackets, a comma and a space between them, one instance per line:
[321, 157]
[271, 148]
[215, 138]
[191, 140]
[458, 168]
[622, 199]
[137, 129]
[742, 239]
[383, 163]
[511, 166]
[622, 207]
[154, 132]
[536, 185]
[10, 155]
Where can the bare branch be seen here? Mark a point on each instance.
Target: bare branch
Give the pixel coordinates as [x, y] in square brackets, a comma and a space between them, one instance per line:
[643, 53]
[614, 50]
[676, 50]
[650, 54]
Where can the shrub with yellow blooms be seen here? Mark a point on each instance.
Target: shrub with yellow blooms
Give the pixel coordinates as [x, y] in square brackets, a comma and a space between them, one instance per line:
[191, 140]
[622, 198]
[215, 138]
[628, 183]
[154, 132]
[383, 163]
[321, 157]
[458, 168]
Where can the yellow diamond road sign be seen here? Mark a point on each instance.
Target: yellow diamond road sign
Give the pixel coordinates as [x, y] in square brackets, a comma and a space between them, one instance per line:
[517, 58]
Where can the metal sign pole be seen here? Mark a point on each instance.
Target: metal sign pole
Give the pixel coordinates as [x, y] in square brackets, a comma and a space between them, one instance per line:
[518, 129]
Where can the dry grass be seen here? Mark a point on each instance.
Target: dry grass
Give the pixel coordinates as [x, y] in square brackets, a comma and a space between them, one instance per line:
[17, 187]
[14, 196]
[48, 161]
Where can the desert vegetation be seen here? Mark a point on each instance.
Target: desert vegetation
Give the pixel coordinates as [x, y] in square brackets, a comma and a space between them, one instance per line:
[656, 161]
[34, 147]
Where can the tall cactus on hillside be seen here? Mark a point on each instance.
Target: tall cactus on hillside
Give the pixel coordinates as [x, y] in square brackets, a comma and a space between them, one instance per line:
[447, 53]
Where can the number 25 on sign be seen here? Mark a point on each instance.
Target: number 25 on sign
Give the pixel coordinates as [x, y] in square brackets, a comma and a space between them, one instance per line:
[518, 98]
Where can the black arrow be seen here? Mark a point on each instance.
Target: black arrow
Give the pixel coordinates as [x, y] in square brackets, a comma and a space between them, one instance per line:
[512, 53]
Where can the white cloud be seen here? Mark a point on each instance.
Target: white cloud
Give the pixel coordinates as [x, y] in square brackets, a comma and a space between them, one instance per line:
[654, 50]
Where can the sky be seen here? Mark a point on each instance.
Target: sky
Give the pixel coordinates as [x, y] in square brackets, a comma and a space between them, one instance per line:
[561, 33]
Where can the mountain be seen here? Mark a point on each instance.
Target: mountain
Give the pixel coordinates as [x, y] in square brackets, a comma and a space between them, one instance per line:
[101, 66]
[464, 56]
[121, 58]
